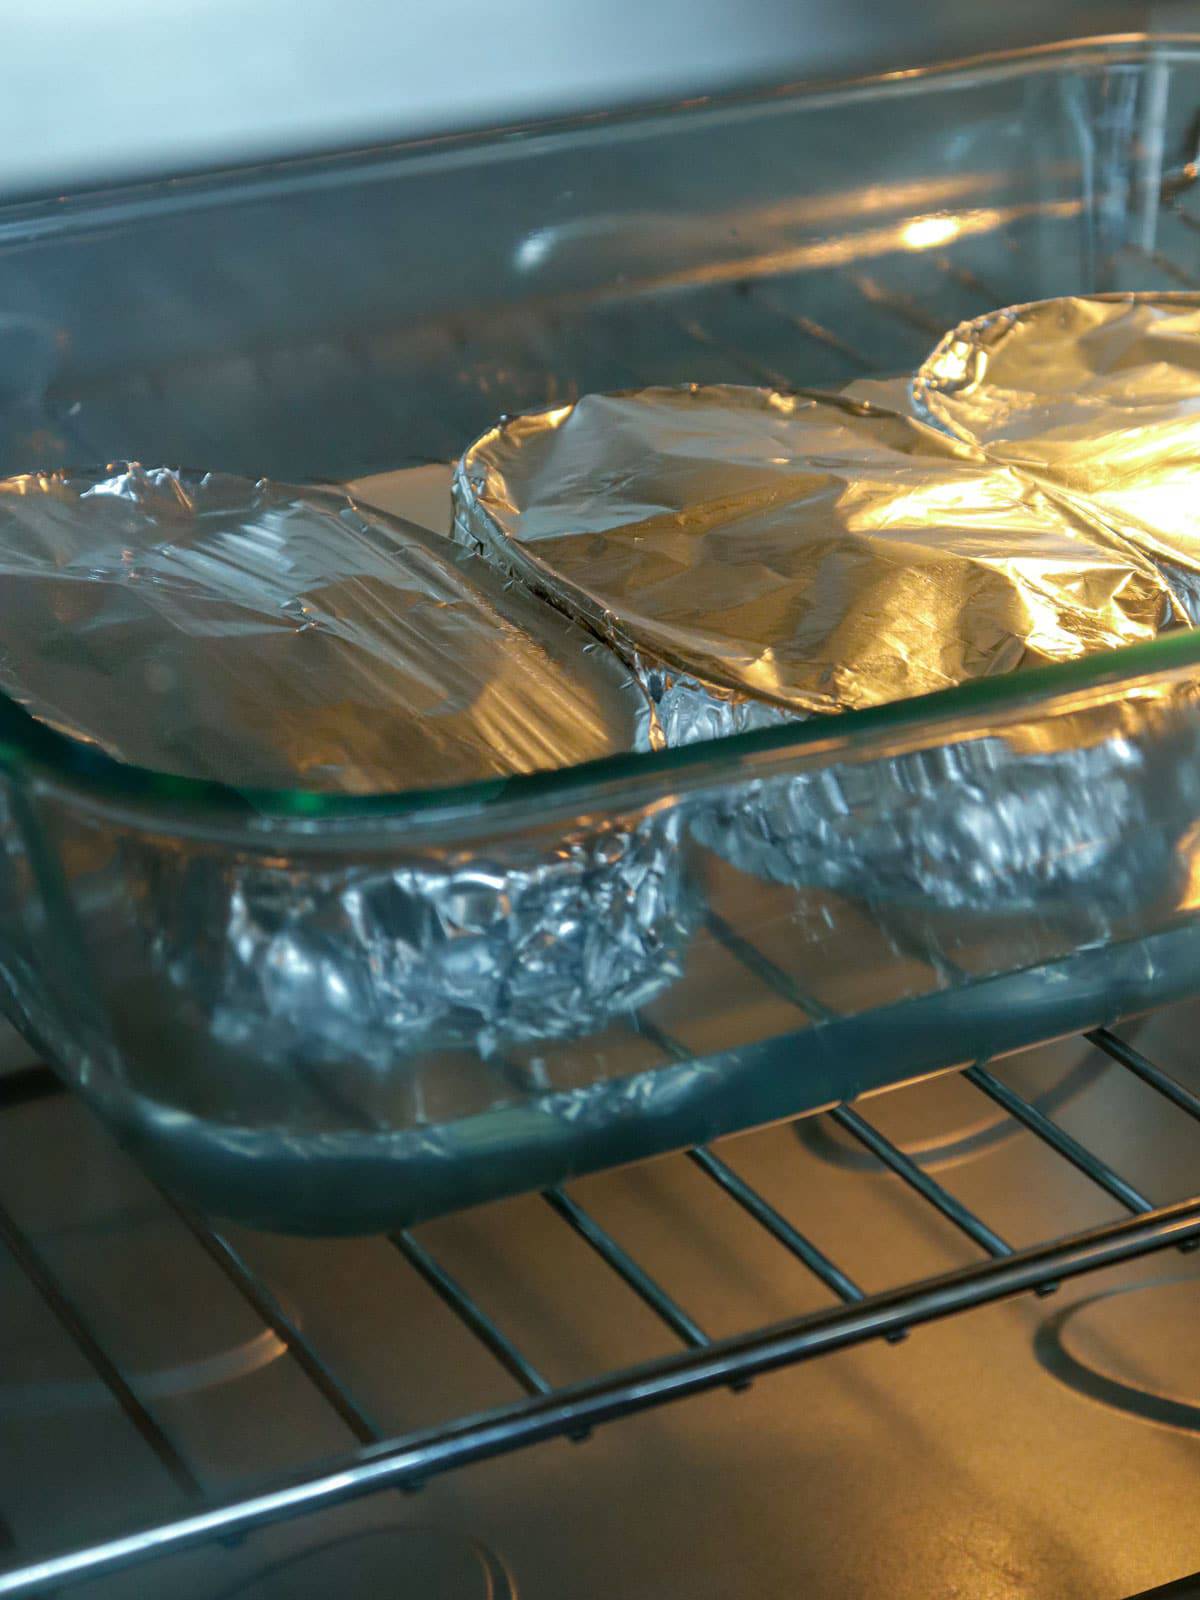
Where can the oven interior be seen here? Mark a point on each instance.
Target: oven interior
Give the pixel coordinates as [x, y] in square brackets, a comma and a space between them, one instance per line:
[614, 1387]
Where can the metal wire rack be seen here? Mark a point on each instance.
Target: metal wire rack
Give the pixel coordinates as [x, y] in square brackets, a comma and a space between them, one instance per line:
[748, 331]
[545, 1412]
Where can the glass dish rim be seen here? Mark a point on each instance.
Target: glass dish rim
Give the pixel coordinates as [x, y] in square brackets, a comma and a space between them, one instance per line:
[33, 749]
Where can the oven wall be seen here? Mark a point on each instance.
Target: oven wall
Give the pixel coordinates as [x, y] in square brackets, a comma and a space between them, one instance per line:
[140, 87]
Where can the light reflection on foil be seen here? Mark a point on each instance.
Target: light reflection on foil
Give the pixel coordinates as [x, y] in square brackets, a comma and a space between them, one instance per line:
[355, 962]
[794, 555]
[1097, 400]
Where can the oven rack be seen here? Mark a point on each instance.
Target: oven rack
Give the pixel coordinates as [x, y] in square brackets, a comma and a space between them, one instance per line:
[545, 1412]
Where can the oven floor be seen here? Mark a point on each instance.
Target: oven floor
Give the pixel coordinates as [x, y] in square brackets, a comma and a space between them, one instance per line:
[1015, 1450]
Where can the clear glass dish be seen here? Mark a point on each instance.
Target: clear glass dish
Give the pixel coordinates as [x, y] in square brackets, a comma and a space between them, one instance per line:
[323, 320]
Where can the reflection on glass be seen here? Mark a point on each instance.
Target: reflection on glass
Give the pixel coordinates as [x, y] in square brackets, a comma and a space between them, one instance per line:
[926, 233]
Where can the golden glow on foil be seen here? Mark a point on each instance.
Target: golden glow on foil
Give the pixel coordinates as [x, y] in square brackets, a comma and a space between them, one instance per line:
[1188, 854]
[1098, 401]
[756, 555]
[795, 552]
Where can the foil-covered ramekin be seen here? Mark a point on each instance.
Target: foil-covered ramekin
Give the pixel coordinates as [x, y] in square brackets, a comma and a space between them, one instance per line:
[1097, 400]
[987, 823]
[757, 556]
[328, 962]
[778, 552]
[273, 637]
[260, 635]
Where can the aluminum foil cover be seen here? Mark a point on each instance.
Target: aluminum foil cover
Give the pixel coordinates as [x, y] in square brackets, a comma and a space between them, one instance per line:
[1084, 811]
[260, 634]
[757, 555]
[361, 961]
[1098, 401]
[275, 637]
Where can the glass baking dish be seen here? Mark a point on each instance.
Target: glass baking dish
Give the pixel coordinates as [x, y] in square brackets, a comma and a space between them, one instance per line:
[318, 321]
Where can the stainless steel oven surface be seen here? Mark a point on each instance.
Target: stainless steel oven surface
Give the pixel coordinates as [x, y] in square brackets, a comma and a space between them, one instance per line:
[939, 1340]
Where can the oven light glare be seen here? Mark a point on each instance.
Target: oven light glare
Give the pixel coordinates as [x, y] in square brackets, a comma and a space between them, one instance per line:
[924, 233]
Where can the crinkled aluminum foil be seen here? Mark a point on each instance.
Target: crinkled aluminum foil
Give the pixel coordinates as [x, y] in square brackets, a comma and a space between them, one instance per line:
[327, 962]
[755, 554]
[985, 823]
[265, 635]
[1098, 401]
[758, 556]
[274, 637]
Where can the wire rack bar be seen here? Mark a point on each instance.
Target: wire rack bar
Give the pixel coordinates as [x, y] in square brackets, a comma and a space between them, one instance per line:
[753, 1203]
[811, 329]
[1146, 1070]
[76, 1326]
[1077, 1154]
[267, 1307]
[763, 968]
[420, 1456]
[750, 364]
[1167, 265]
[971, 281]
[928, 1188]
[1008, 1099]
[623, 1264]
[1189, 220]
[813, 1133]
[471, 1313]
[777, 1225]
[902, 307]
[852, 1121]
